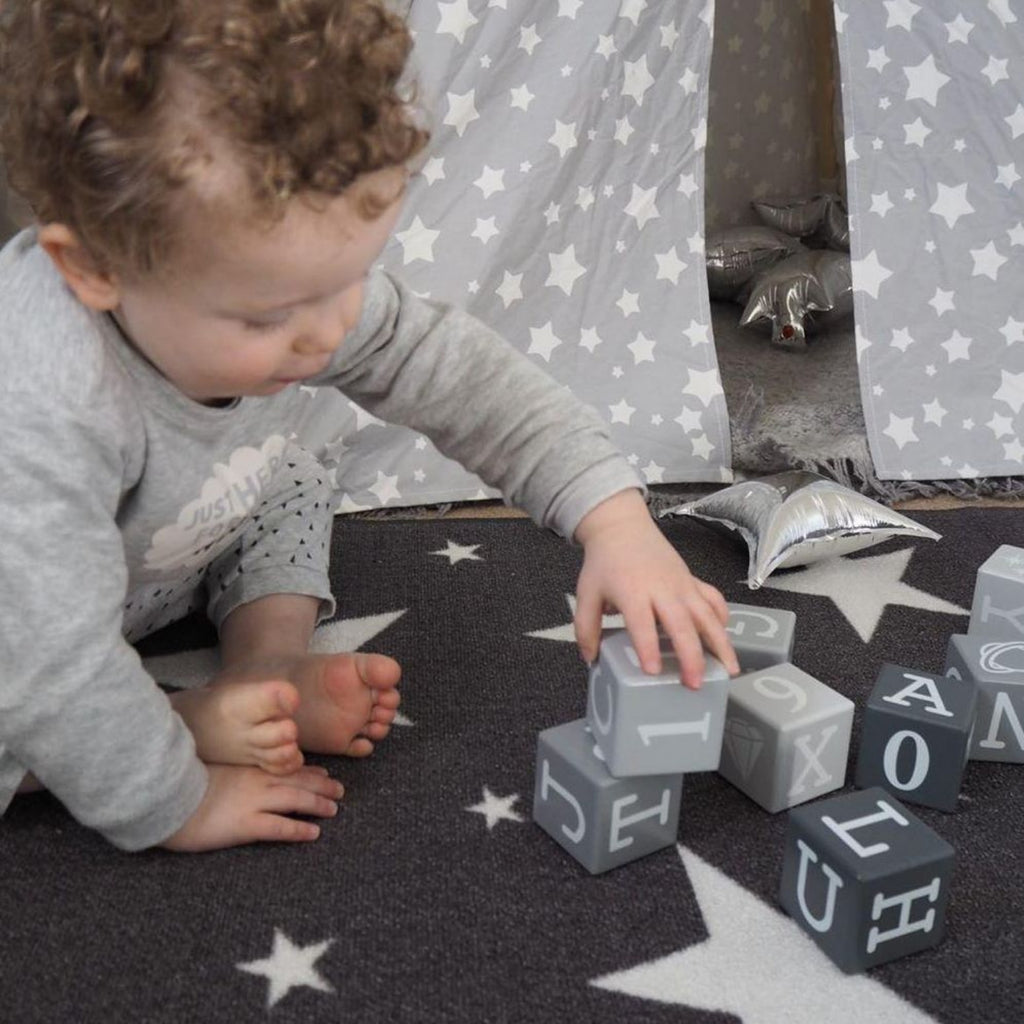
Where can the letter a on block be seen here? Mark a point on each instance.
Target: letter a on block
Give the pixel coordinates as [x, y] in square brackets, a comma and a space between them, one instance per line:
[835, 883]
[931, 697]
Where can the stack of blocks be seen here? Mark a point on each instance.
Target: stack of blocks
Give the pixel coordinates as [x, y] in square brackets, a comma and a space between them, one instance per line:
[865, 878]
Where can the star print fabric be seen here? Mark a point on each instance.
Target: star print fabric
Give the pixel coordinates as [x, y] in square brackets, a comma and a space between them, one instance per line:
[933, 102]
[561, 202]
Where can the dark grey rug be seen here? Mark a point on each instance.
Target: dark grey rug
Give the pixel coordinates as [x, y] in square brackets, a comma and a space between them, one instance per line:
[432, 897]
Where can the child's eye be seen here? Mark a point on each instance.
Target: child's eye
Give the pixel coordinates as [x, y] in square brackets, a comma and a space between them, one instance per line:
[264, 326]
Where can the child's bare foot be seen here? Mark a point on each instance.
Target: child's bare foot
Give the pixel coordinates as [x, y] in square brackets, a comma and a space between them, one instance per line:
[243, 722]
[348, 701]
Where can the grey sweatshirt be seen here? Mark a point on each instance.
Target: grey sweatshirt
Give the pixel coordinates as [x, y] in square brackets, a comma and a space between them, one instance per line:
[113, 484]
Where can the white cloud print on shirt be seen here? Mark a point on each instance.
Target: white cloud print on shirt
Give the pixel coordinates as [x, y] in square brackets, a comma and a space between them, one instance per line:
[205, 526]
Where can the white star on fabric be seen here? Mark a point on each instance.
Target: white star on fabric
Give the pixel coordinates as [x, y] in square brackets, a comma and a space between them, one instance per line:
[456, 19]
[697, 333]
[933, 412]
[958, 347]
[522, 97]
[669, 36]
[623, 130]
[638, 79]
[564, 137]
[690, 82]
[705, 385]
[289, 966]
[385, 488]
[565, 270]
[901, 430]
[689, 419]
[490, 181]
[995, 70]
[528, 38]
[589, 339]
[670, 266]
[916, 132]
[942, 301]
[653, 473]
[868, 274]
[496, 808]
[769, 962]
[417, 242]
[510, 288]
[901, 339]
[958, 30]
[1016, 121]
[862, 588]
[951, 203]
[462, 110]
[568, 8]
[1001, 9]
[900, 13]
[622, 412]
[1012, 330]
[987, 261]
[629, 302]
[688, 185]
[632, 9]
[433, 170]
[1007, 175]
[1000, 425]
[456, 553]
[880, 203]
[877, 59]
[641, 206]
[605, 46]
[543, 341]
[642, 349]
[701, 447]
[1011, 390]
[585, 197]
[485, 229]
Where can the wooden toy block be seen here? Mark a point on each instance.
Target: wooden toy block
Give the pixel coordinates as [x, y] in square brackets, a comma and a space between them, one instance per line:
[761, 636]
[998, 607]
[652, 724]
[915, 736]
[602, 821]
[787, 737]
[867, 880]
[996, 668]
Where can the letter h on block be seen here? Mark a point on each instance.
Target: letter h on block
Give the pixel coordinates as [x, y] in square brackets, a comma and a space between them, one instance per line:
[652, 724]
[866, 880]
[602, 821]
[916, 736]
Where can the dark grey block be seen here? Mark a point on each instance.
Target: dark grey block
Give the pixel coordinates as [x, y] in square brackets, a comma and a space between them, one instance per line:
[787, 737]
[867, 880]
[761, 636]
[916, 736]
[602, 821]
[652, 724]
[998, 607]
[996, 667]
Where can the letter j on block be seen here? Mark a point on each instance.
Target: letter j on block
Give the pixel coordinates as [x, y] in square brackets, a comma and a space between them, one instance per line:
[652, 724]
[867, 880]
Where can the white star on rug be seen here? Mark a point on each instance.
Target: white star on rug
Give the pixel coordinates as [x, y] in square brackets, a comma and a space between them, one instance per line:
[289, 966]
[456, 553]
[567, 633]
[758, 965]
[496, 808]
[862, 587]
[196, 667]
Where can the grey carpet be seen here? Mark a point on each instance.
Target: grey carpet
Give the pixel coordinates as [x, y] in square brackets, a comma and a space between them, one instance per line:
[410, 908]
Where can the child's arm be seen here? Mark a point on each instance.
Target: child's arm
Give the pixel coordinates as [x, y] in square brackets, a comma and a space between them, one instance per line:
[629, 565]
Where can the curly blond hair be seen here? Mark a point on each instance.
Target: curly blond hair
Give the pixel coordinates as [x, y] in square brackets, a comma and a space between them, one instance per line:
[308, 95]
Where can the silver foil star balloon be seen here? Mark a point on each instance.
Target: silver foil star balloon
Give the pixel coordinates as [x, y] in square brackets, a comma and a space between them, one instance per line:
[796, 518]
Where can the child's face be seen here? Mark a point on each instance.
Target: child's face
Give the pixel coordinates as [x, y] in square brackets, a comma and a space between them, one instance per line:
[254, 309]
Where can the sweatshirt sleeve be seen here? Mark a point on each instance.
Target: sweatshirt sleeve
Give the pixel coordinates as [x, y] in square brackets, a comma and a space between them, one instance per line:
[76, 706]
[440, 371]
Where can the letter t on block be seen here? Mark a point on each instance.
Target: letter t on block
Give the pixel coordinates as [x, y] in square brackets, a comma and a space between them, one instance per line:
[866, 880]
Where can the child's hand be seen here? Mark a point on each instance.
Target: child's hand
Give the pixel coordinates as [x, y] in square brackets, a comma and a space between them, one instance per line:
[248, 805]
[629, 566]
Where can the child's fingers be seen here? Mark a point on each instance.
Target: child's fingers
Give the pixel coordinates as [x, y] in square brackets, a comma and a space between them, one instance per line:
[715, 637]
[678, 625]
[313, 779]
[715, 598]
[587, 623]
[273, 828]
[287, 799]
[643, 632]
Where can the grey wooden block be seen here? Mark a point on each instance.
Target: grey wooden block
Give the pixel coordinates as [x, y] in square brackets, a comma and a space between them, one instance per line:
[998, 607]
[996, 667]
[915, 736]
[602, 821]
[787, 737]
[867, 880]
[652, 724]
[761, 636]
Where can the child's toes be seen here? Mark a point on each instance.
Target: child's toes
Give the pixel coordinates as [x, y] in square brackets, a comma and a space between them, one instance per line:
[280, 760]
[283, 732]
[385, 715]
[359, 747]
[389, 699]
[376, 731]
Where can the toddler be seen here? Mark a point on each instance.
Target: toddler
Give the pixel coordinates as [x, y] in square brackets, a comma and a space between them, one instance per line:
[213, 185]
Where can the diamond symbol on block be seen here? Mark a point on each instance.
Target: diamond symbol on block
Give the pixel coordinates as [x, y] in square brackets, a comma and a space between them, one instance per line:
[745, 743]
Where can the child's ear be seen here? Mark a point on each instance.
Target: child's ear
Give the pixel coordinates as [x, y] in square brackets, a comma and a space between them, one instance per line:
[93, 288]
